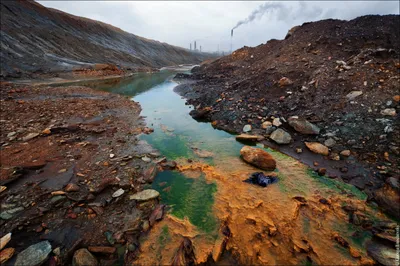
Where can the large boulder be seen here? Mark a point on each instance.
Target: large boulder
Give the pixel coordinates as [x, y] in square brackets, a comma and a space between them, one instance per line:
[280, 136]
[317, 148]
[258, 157]
[303, 126]
[388, 197]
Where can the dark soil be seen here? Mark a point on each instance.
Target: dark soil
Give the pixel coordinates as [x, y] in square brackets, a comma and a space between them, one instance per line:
[244, 88]
[85, 137]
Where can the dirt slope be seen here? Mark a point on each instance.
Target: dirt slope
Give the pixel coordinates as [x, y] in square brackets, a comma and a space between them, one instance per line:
[311, 74]
[39, 39]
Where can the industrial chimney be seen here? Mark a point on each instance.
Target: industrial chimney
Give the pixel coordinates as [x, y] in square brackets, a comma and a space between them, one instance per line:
[195, 45]
[190, 46]
[200, 48]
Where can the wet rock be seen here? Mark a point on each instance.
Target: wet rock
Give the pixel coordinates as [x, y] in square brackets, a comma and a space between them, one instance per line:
[354, 253]
[389, 112]
[303, 126]
[266, 124]
[388, 198]
[199, 114]
[258, 158]
[248, 137]
[146, 159]
[71, 187]
[387, 237]
[345, 153]
[184, 255]
[260, 179]
[330, 143]
[354, 94]
[150, 173]
[83, 257]
[118, 193]
[269, 130]
[276, 122]
[2, 188]
[145, 195]
[169, 165]
[145, 226]
[317, 148]
[7, 215]
[321, 171]
[102, 249]
[382, 253]
[4, 240]
[280, 136]
[284, 81]
[203, 153]
[299, 150]
[247, 128]
[396, 98]
[6, 254]
[157, 214]
[34, 255]
[30, 136]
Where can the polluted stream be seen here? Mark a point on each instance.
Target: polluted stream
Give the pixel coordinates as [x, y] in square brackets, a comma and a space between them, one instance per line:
[301, 219]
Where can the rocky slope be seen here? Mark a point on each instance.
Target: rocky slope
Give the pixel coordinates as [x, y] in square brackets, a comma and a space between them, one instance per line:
[36, 39]
[341, 78]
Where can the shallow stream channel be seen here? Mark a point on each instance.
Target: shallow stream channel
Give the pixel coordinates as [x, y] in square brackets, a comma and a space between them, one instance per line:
[301, 219]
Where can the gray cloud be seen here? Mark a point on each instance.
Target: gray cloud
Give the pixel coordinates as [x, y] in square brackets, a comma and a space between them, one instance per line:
[180, 23]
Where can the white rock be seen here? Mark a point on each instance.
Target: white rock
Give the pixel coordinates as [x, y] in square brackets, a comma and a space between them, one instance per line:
[247, 128]
[118, 193]
[277, 122]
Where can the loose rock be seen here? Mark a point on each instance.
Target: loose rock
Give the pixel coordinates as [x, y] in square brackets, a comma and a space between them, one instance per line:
[277, 122]
[145, 195]
[258, 158]
[118, 193]
[34, 255]
[345, 153]
[248, 137]
[247, 128]
[330, 142]
[83, 257]
[4, 240]
[6, 254]
[389, 112]
[317, 148]
[303, 126]
[100, 249]
[352, 95]
[280, 136]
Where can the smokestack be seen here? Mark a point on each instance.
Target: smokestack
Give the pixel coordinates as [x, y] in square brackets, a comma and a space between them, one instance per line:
[231, 32]
[190, 46]
[200, 48]
[195, 45]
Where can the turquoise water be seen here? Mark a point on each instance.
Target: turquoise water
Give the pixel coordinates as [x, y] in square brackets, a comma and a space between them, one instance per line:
[177, 135]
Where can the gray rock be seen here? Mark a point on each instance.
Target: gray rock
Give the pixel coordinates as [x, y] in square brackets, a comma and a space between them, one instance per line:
[269, 130]
[34, 255]
[11, 134]
[280, 136]
[383, 254]
[389, 112]
[303, 126]
[352, 95]
[146, 159]
[7, 215]
[247, 128]
[118, 193]
[277, 122]
[30, 136]
[330, 142]
[145, 195]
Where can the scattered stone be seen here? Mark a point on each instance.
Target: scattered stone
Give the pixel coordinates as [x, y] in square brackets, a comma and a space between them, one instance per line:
[30, 136]
[280, 136]
[145, 195]
[258, 158]
[387, 198]
[396, 98]
[321, 171]
[83, 257]
[383, 254]
[11, 134]
[112, 155]
[299, 150]
[285, 82]
[248, 137]
[2, 188]
[303, 126]
[266, 124]
[354, 94]
[146, 159]
[169, 165]
[71, 187]
[157, 214]
[354, 253]
[345, 153]
[334, 156]
[330, 143]
[203, 153]
[7, 215]
[34, 255]
[118, 193]
[389, 112]
[247, 128]
[6, 254]
[102, 249]
[277, 122]
[260, 179]
[4, 240]
[145, 226]
[57, 251]
[317, 148]
[56, 193]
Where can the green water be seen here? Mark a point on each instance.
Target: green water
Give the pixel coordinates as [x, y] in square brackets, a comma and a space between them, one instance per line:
[176, 135]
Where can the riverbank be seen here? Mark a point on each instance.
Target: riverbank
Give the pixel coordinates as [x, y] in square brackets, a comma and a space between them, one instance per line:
[335, 93]
[68, 154]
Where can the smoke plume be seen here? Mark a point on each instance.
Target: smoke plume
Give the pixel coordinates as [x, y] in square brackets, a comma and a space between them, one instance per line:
[259, 12]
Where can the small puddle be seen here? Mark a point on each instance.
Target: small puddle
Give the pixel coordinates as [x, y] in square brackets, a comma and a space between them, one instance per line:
[285, 223]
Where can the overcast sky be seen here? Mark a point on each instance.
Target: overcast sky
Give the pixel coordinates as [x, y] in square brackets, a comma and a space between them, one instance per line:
[210, 23]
